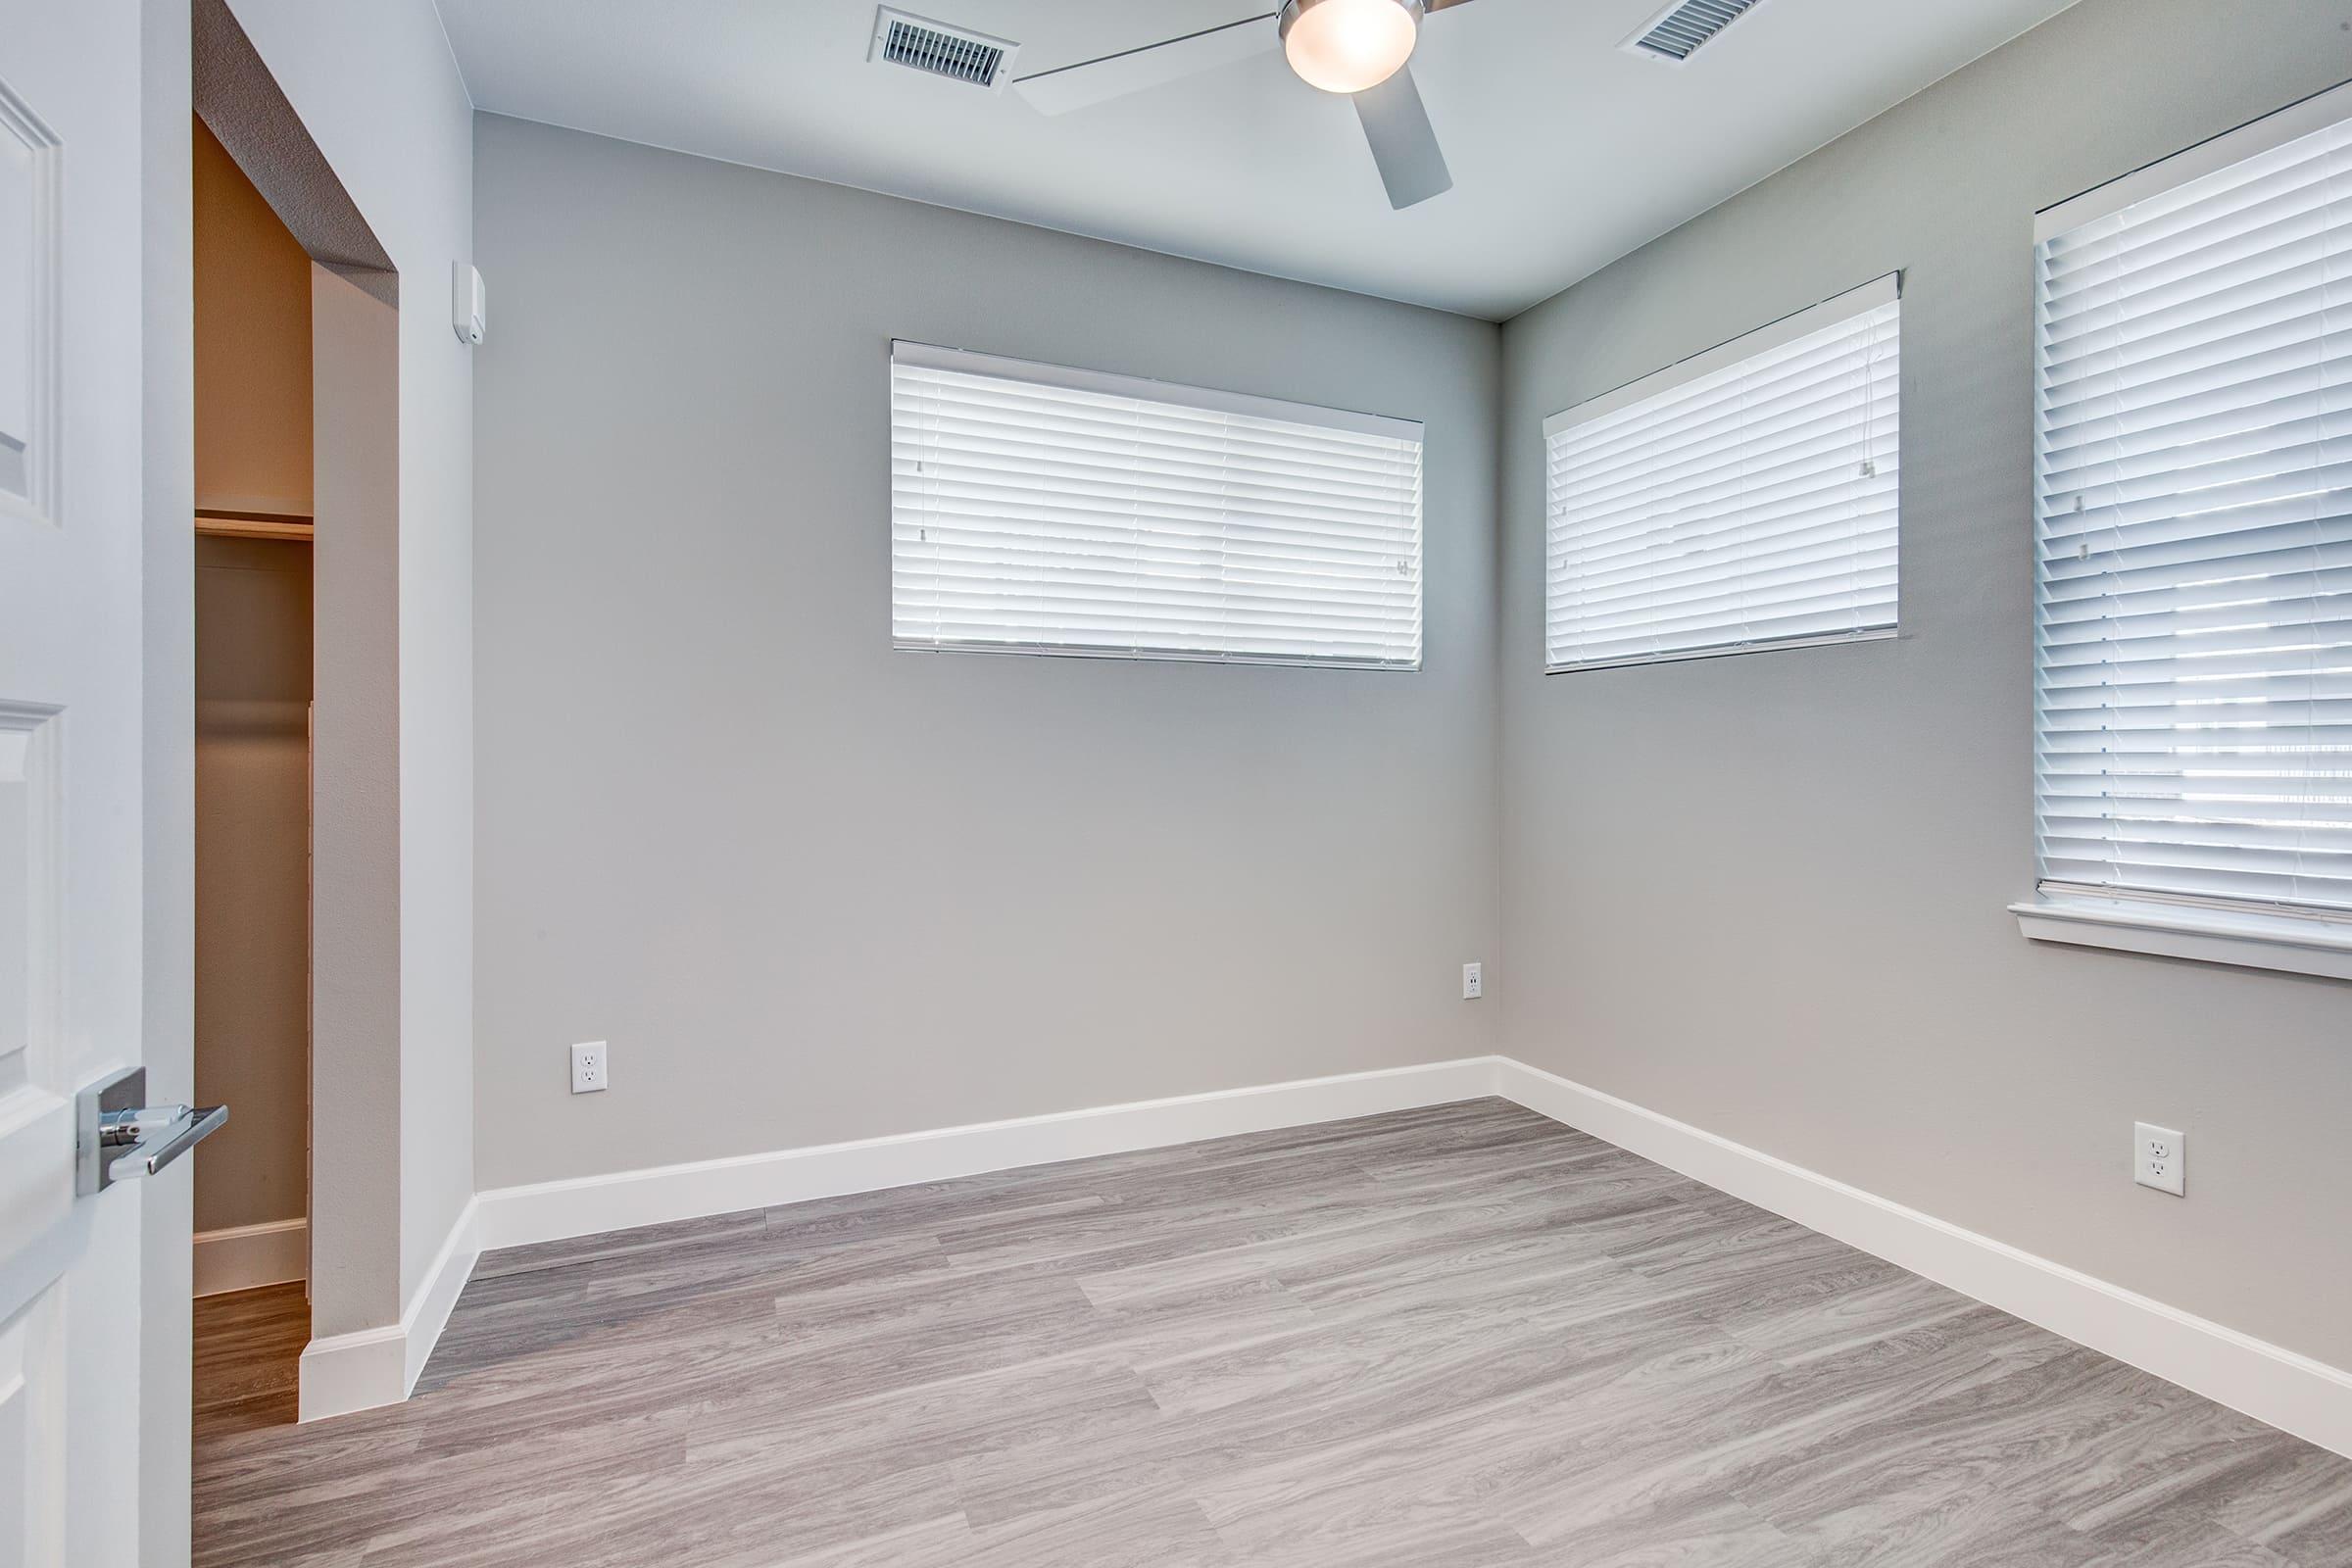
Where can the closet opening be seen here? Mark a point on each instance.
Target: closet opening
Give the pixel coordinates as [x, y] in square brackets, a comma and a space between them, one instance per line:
[254, 527]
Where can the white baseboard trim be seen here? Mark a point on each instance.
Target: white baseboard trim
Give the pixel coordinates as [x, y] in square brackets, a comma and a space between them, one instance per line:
[2289, 1391]
[245, 1257]
[355, 1371]
[371, 1367]
[547, 1212]
[2268, 1382]
[437, 1293]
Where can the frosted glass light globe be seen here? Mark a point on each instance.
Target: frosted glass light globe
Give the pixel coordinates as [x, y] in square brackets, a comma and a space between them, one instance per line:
[1348, 45]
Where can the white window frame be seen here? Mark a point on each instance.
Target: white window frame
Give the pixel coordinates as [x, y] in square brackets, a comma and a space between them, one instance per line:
[1878, 294]
[924, 355]
[2313, 943]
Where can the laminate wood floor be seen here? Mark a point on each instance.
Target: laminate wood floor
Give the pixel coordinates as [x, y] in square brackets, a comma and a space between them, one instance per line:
[1455, 1336]
[248, 1354]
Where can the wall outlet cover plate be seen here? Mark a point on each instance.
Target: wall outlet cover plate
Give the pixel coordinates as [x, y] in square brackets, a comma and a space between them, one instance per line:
[2160, 1158]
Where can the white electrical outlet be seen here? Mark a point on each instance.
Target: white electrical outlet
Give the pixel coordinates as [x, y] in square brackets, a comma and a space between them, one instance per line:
[1474, 983]
[2160, 1158]
[588, 1067]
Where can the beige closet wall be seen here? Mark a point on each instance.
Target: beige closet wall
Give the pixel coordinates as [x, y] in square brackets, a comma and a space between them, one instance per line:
[252, 346]
[253, 690]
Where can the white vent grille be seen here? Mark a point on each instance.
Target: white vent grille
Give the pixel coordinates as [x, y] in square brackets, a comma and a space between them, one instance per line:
[1677, 34]
[940, 51]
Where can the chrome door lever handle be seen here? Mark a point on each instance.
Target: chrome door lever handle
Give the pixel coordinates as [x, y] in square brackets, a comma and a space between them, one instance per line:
[117, 1134]
[155, 1135]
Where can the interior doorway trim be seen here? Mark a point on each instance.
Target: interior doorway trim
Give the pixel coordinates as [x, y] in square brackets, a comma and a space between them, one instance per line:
[355, 1200]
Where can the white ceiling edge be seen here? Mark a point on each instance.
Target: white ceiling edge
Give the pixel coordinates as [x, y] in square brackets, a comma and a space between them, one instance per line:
[1054, 228]
[455, 64]
[1509, 306]
[1869, 119]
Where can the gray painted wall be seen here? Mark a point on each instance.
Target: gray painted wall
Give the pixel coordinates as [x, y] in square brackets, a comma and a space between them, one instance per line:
[356, 1057]
[1765, 894]
[814, 888]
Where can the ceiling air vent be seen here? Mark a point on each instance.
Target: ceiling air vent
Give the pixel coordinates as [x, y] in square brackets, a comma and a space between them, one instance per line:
[1676, 33]
[955, 53]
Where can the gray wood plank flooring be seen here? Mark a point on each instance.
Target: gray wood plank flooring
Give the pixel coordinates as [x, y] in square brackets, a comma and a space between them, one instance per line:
[1445, 1339]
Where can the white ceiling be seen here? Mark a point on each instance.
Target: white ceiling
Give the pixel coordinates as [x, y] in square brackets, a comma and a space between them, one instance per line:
[1567, 152]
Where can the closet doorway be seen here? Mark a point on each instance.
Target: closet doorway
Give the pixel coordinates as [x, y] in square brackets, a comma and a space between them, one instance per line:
[253, 585]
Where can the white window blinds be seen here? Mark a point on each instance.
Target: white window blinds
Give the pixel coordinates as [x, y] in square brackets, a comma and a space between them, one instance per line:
[1744, 498]
[1038, 509]
[2194, 479]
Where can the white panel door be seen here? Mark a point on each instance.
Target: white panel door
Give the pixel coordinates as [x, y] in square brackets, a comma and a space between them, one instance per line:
[69, 770]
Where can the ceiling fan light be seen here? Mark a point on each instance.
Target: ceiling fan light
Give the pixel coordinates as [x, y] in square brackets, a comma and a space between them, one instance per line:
[1347, 46]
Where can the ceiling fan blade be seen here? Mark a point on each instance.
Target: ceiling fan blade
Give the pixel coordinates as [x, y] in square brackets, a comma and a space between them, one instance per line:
[1094, 81]
[1405, 144]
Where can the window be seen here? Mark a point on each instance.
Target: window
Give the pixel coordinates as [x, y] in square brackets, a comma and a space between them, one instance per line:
[2193, 484]
[1045, 511]
[1742, 499]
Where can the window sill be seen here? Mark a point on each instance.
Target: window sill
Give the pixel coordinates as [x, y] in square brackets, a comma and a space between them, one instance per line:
[2210, 936]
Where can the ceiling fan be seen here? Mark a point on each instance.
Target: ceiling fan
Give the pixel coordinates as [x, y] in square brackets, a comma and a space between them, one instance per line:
[1354, 47]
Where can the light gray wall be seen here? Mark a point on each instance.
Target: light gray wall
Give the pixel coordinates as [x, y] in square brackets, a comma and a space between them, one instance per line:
[253, 847]
[379, 92]
[1765, 894]
[356, 1062]
[812, 888]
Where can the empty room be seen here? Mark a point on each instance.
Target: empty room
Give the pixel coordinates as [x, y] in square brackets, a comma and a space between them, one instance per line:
[1175, 784]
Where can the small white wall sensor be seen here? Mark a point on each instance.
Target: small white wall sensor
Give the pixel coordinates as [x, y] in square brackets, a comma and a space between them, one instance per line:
[469, 305]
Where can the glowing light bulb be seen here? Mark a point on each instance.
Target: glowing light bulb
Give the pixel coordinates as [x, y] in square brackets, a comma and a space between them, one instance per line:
[1348, 45]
